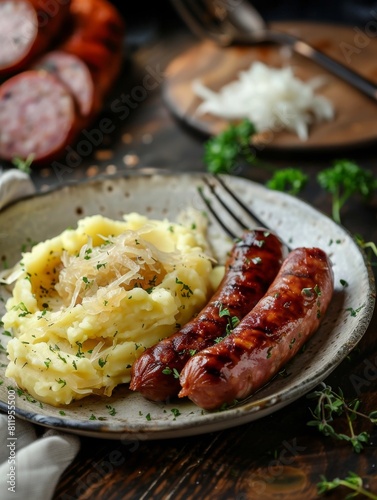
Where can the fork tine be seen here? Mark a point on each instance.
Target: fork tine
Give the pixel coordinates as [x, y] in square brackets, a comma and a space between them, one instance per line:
[256, 221]
[215, 214]
[244, 207]
[216, 182]
[185, 11]
[223, 204]
[200, 21]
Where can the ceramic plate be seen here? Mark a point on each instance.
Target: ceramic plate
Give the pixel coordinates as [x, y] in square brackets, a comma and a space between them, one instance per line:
[355, 122]
[47, 214]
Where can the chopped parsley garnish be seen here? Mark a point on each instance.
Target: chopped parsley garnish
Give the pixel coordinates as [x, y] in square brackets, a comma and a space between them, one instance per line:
[170, 371]
[102, 362]
[61, 381]
[185, 290]
[111, 409]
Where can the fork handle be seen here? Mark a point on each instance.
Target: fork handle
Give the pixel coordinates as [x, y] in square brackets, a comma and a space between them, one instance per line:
[301, 47]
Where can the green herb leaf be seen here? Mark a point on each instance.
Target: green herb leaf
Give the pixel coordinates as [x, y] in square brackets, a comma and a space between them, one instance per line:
[331, 404]
[226, 151]
[343, 180]
[290, 180]
[352, 482]
[23, 164]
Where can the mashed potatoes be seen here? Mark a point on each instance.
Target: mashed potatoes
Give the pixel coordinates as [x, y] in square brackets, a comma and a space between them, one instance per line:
[88, 302]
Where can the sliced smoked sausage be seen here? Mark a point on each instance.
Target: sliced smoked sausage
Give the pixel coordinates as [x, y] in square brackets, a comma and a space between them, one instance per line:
[37, 114]
[86, 65]
[27, 28]
[89, 58]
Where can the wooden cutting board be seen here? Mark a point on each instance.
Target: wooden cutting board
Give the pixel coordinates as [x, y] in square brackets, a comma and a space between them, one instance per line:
[355, 123]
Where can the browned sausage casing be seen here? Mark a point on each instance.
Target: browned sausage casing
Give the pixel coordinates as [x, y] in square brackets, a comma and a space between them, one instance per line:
[250, 269]
[267, 338]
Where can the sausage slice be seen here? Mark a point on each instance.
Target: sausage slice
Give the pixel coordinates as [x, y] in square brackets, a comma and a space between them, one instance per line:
[27, 28]
[37, 115]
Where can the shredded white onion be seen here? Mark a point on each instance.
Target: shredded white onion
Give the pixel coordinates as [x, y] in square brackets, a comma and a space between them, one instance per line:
[96, 352]
[271, 98]
[9, 276]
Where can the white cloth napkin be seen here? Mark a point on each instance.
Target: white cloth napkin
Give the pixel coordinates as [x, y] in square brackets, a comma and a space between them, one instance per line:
[39, 462]
[13, 185]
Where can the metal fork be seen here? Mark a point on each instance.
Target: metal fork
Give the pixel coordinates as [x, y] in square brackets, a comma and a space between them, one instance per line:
[213, 182]
[242, 24]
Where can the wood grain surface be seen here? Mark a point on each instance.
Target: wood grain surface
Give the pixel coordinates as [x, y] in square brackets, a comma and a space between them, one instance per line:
[355, 122]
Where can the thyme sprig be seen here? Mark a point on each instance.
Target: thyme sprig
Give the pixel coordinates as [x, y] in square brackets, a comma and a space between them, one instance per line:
[23, 164]
[352, 482]
[331, 404]
[370, 248]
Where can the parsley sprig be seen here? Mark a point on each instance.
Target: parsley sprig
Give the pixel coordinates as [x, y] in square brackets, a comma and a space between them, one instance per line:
[345, 179]
[331, 404]
[290, 180]
[225, 151]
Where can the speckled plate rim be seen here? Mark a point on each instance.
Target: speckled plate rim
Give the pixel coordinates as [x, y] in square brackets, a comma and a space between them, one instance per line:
[251, 409]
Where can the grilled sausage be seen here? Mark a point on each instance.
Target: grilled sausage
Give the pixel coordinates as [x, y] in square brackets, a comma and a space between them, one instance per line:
[251, 267]
[267, 338]
[86, 64]
[27, 28]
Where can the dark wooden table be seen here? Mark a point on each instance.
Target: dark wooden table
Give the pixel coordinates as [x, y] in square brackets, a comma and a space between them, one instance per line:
[279, 456]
